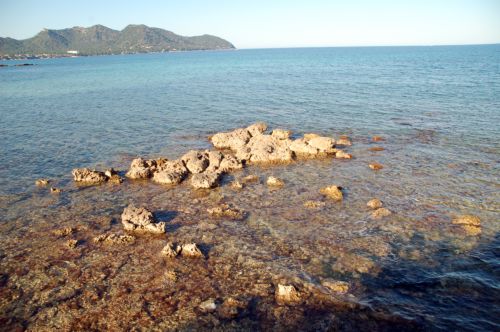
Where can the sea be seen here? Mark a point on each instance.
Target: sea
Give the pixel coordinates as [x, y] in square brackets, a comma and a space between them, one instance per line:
[437, 109]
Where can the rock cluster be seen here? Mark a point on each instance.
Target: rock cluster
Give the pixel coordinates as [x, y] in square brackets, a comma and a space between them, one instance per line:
[141, 220]
[88, 176]
[190, 250]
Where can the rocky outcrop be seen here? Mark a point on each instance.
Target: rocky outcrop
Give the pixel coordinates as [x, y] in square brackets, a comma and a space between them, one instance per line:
[205, 180]
[141, 168]
[141, 220]
[313, 145]
[196, 161]
[88, 176]
[170, 172]
[265, 149]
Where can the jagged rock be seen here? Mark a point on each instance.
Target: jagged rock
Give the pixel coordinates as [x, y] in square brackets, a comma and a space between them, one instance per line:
[469, 223]
[376, 166]
[334, 192]
[141, 220]
[42, 182]
[54, 190]
[141, 168]
[225, 210]
[323, 144]
[265, 149]
[231, 308]
[336, 285]
[170, 172]
[314, 204]
[374, 203]
[220, 162]
[301, 147]
[115, 178]
[191, 250]
[170, 251]
[113, 239]
[312, 145]
[196, 161]
[205, 180]
[339, 154]
[231, 140]
[287, 294]
[380, 213]
[257, 128]
[281, 133]
[88, 176]
[275, 182]
[72, 243]
[207, 306]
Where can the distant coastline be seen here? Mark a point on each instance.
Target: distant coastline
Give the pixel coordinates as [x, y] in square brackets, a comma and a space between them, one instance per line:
[101, 40]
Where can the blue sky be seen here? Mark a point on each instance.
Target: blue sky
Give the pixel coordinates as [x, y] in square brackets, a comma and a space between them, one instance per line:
[278, 23]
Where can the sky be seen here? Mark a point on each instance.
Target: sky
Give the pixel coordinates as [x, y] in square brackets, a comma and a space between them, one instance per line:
[272, 23]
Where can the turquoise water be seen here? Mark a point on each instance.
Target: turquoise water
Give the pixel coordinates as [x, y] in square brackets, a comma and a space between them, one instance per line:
[437, 107]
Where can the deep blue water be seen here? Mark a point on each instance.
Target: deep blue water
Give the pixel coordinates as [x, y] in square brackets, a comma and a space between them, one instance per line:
[64, 113]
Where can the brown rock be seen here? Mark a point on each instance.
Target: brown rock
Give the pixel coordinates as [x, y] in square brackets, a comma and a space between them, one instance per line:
[231, 140]
[380, 213]
[141, 168]
[170, 251]
[54, 190]
[378, 139]
[141, 220]
[88, 176]
[64, 231]
[336, 286]
[236, 185]
[205, 180]
[281, 133]
[343, 140]
[469, 223]
[225, 210]
[257, 128]
[250, 179]
[334, 192]
[191, 250]
[274, 182]
[196, 161]
[339, 154]
[171, 172]
[114, 239]
[376, 166]
[72, 243]
[265, 149]
[314, 204]
[374, 203]
[376, 148]
[42, 182]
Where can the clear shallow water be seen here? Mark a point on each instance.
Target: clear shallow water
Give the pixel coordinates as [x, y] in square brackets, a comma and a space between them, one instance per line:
[437, 107]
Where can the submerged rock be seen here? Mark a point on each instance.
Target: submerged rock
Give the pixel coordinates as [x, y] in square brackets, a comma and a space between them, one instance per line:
[287, 294]
[170, 172]
[54, 190]
[350, 262]
[191, 250]
[274, 182]
[376, 149]
[339, 154]
[114, 239]
[334, 192]
[42, 182]
[250, 178]
[380, 213]
[374, 203]
[376, 166]
[205, 180]
[469, 223]
[378, 139]
[336, 286]
[141, 220]
[225, 210]
[236, 185]
[88, 176]
[344, 140]
[170, 251]
[314, 204]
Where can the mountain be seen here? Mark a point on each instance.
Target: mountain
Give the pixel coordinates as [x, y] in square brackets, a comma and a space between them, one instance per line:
[99, 39]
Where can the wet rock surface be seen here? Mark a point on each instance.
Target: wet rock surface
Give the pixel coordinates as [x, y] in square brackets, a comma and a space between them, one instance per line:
[140, 219]
[86, 175]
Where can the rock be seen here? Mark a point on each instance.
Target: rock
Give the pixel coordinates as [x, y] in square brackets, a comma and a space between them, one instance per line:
[312, 145]
[350, 262]
[110, 172]
[196, 161]
[265, 149]
[374, 203]
[191, 250]
[231, 308]
[225, 210]
[170, 251]
[54, 190]
[323, 144]
[141, 220]
[205, 180]
[250, 179]
[469, 223]
[343, 140]
[257, 128]
[378, 139]
[281, 133]
[287, 294]
[231, 140]
[467, 219]
[207, 306]
[170, 172]
[88, 176]
[376, 148]
[115, 179]
[170, 275]
[314, 204]
[236, 185]
[301, 147]
[274, 182]
[141, 168]
[310, 136]
[42, 182]
[339, 154]
[334, 192]
[380, 213]
[220, 162]
[336, 285]
[376, 166]
[64, 231]
[72, 243]
[114, 239]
